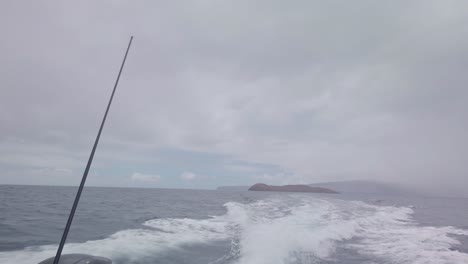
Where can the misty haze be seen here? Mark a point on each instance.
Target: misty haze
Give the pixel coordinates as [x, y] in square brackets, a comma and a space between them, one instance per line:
[240, 132]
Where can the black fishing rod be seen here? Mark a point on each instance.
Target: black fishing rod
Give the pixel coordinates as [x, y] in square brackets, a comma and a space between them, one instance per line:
[90, 160]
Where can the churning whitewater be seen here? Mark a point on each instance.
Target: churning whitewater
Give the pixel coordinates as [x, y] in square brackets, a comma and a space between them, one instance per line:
[279, 229]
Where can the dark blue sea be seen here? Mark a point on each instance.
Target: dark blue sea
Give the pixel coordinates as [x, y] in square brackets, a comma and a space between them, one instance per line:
[202, 226]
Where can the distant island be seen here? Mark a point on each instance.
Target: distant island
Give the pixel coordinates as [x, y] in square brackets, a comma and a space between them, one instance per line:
[238, 188]
[352, 186]
[289, 188]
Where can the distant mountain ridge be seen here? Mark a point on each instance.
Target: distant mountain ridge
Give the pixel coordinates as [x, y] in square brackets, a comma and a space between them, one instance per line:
[237, 188]
[289, 188]
[363, 186]
[352, 186]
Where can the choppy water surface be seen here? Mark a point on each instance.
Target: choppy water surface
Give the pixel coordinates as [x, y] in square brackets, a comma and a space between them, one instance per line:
[193, 226]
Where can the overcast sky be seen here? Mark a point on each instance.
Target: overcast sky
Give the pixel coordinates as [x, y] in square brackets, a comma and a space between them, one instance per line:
[235, 92]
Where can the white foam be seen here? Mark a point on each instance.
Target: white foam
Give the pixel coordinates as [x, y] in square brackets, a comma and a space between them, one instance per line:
[287, 229]
[313, 228]
[391, 234]
[270, 235]
[132, 244]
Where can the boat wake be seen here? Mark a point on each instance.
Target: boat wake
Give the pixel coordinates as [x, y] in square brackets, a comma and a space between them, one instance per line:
[285, 229]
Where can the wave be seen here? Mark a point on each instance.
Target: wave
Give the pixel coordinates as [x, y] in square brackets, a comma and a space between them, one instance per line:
[286, 229]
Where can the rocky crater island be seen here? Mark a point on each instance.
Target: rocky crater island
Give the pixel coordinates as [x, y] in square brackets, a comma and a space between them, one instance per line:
[289, 188]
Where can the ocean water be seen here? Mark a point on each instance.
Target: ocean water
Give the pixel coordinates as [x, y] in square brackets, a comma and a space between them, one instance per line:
[200, 226]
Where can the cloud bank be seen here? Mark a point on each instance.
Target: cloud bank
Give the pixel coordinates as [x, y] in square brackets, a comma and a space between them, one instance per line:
[319, 91]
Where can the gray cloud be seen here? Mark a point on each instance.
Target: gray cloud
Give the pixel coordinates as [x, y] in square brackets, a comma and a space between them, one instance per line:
[325, 91]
